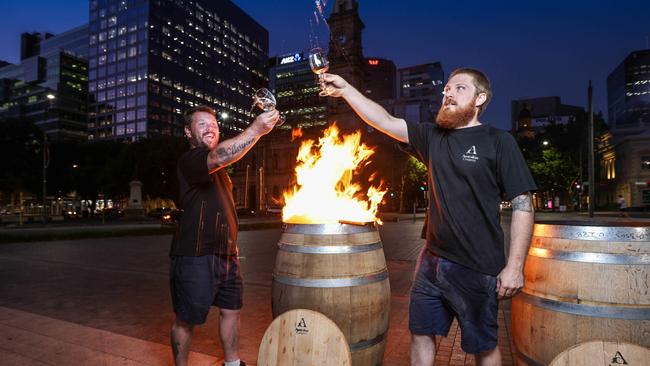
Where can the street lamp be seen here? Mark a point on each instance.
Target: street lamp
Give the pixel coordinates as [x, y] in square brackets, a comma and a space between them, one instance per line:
[545, 142]
[46, 154]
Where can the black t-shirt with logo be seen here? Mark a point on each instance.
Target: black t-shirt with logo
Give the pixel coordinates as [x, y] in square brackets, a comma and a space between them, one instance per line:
[208, 224]
[470, 171]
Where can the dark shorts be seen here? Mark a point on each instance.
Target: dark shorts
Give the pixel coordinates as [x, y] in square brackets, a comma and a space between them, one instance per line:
[200, 282]
[442, 290]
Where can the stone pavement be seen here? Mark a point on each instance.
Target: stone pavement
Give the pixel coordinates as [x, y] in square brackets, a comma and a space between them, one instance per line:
[106, 302]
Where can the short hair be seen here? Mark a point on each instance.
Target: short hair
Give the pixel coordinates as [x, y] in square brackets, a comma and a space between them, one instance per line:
[187, 115]
[481, 83]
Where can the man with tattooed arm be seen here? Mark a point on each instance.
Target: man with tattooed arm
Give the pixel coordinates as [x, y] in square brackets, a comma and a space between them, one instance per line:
[462, 271]
[204, 265]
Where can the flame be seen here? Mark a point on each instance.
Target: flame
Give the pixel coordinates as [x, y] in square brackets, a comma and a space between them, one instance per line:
[324, 192]
[295, 133]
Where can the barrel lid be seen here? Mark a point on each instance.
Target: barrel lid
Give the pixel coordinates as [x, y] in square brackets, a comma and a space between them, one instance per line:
[329, 229]
[303, 337]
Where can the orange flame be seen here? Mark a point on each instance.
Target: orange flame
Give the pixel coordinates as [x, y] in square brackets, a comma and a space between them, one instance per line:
[295, 133]
[324, 192]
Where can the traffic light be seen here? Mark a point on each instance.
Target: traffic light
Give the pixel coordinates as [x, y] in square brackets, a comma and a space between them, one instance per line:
[423, 186]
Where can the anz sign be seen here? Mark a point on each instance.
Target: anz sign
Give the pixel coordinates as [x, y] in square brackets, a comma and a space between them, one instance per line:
[291, 59]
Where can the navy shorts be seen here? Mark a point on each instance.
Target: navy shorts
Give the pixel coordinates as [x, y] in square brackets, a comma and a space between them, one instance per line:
[442, 290]
[200, 282]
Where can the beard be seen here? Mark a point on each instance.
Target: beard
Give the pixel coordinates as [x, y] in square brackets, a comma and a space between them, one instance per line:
[460, 117]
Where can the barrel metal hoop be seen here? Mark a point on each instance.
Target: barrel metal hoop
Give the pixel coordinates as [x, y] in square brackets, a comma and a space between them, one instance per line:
[527, 360]
[590, 257]
[328, 229]
[329, 249]
[332, 282]
[613, 312]
[367, 344]
[601, 233]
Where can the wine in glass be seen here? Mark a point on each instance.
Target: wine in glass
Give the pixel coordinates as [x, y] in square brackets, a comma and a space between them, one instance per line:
[264, 100]
[319, 65]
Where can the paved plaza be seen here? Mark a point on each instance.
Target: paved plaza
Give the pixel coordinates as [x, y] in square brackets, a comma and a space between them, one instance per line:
[106, 301]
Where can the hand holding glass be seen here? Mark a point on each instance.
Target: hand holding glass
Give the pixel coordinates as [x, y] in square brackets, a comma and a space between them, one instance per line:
[319, 65]
[264, 100]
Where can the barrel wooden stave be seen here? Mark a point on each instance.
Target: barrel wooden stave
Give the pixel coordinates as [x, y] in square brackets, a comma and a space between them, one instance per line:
[602, 353]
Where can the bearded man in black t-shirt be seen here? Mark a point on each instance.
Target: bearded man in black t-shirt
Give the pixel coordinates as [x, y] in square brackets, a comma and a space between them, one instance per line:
[462, 271]
[205, 269]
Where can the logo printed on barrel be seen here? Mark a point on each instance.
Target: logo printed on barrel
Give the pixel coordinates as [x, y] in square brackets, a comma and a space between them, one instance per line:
[618, 359]
[301, 327]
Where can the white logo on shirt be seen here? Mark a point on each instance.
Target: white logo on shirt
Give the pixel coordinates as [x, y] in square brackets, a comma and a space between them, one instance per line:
[471, 155]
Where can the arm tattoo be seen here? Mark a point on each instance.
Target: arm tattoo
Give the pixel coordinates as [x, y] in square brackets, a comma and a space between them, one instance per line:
[225, 152]
[522, 203]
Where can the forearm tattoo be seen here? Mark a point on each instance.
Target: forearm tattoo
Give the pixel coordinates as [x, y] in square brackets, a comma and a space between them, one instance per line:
[522, 203]
[234, 149]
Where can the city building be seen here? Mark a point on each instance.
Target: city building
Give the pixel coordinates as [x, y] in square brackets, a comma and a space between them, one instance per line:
[151, 60]
[49, 85]
[628, 94]
[420, 92]
[625, 153]
[531, 116]
[346, 59]
[296, 91]
[380, 79]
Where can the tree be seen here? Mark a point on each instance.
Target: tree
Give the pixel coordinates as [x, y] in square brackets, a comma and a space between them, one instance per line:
[415, 172]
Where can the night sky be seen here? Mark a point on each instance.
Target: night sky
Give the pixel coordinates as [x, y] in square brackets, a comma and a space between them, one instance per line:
[527, 48]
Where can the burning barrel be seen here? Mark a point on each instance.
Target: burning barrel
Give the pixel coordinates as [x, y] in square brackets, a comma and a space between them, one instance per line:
[340, 271]
[584, 281]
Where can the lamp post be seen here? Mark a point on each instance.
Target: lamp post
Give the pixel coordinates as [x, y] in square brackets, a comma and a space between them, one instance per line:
[46, 154]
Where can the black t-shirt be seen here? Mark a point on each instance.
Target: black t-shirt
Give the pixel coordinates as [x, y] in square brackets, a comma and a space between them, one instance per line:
[208, 224]
[470, 171]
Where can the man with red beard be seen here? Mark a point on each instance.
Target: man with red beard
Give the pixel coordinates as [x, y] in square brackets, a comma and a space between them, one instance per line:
[205, 269]
[462, 271]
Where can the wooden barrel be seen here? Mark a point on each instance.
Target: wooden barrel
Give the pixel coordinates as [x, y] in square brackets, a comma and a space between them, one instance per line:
[601, 353]
[583, 281]
[303, 337]
[340, 271]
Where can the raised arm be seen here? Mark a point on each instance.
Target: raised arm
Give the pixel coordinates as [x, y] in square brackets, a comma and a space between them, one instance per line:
[511, 278]
[233, 149]
[371, 112]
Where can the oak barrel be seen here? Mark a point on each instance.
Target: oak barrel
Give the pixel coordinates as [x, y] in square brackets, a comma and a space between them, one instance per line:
[340, 271]
[583, 281]
[602, 353]
[303, 337]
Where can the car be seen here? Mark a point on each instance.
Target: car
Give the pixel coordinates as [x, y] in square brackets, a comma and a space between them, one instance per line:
[171, 217]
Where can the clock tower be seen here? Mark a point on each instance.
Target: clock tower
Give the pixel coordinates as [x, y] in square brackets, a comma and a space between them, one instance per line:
[345, 59]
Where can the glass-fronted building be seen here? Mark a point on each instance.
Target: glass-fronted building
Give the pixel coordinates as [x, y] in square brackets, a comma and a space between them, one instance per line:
[151, 60]
[49, 85]
[296, 91]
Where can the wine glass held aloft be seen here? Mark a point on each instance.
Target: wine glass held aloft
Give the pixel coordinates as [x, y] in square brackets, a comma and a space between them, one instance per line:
[264, 100]
[319, 65]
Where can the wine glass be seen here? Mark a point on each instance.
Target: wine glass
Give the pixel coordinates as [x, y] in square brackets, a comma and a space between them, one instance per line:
[264, 100]
[319, 65]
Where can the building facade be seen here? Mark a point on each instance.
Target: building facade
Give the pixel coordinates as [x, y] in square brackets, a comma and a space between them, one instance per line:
[149, 60]
[531, 116]
[628, 150]
[49, 85]
[296, 91]
[380, 80]
[628, 93]
[420, 91]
